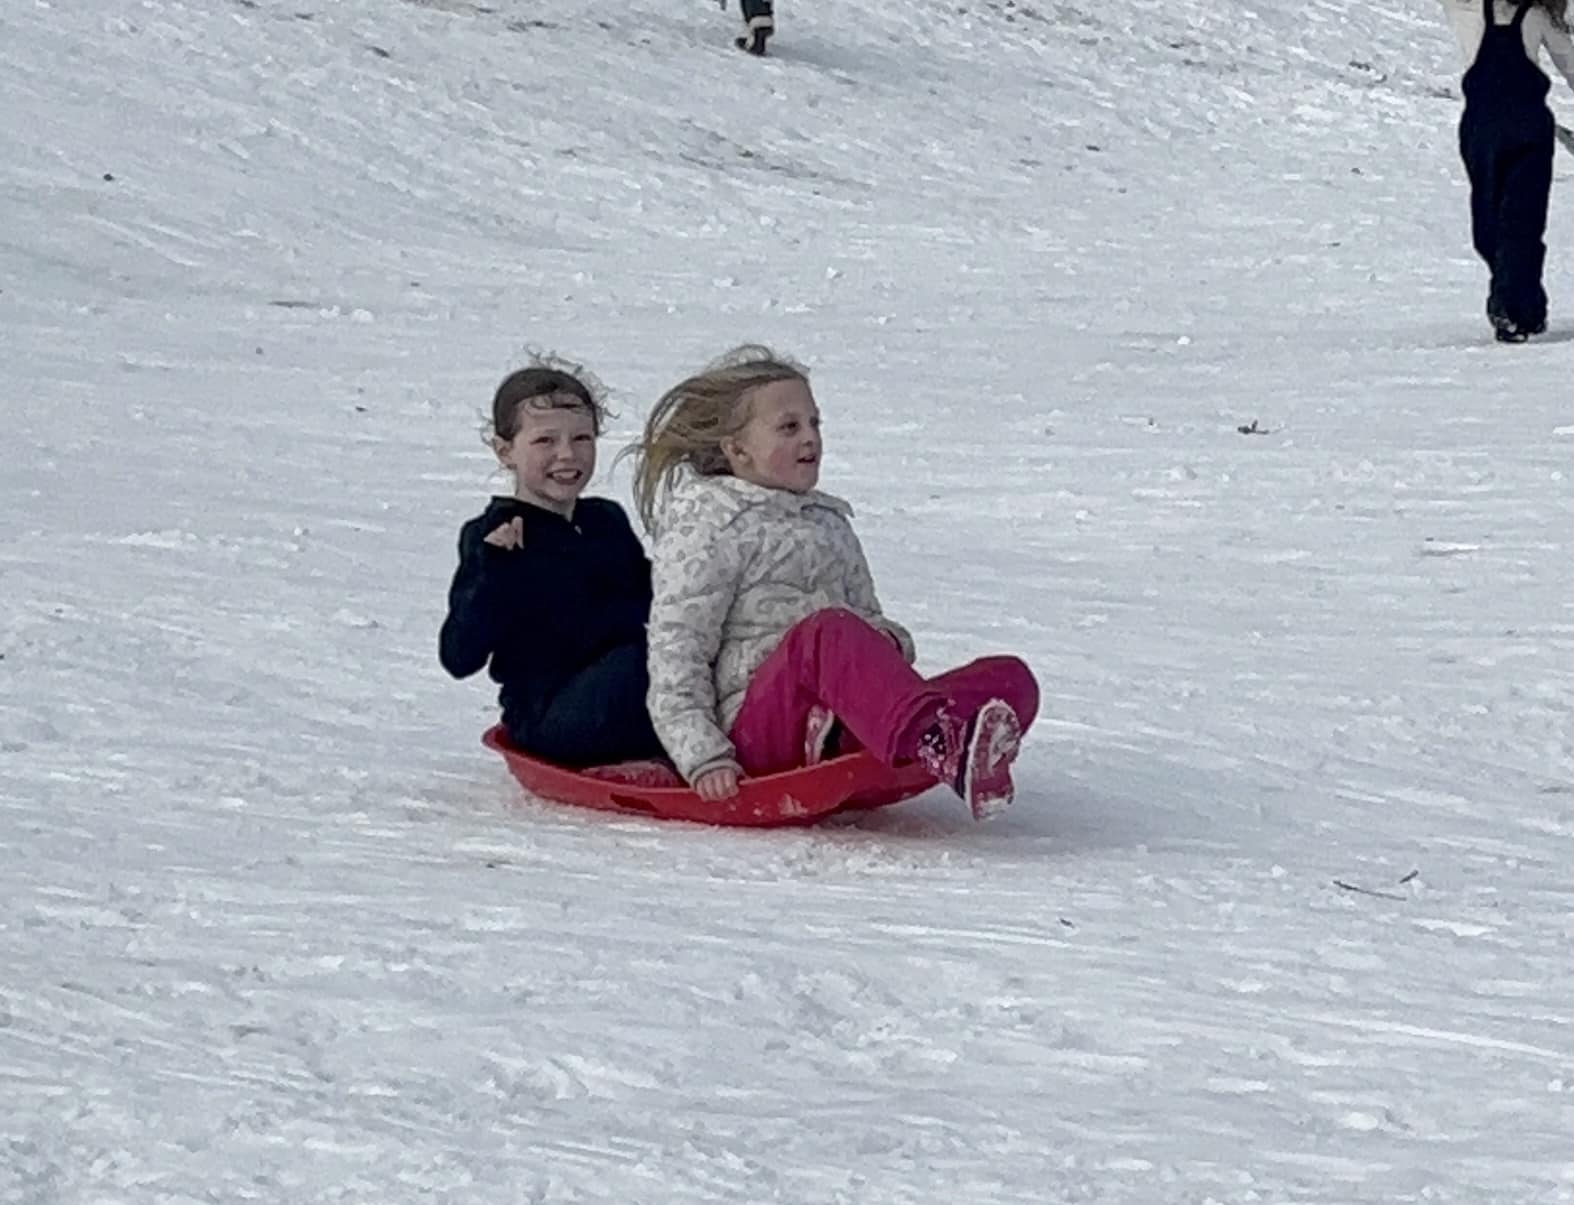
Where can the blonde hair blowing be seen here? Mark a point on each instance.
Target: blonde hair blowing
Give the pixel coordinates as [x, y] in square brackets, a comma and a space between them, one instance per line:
[686, 427]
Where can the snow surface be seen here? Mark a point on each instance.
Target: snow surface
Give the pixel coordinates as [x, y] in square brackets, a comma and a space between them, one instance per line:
[274, 927]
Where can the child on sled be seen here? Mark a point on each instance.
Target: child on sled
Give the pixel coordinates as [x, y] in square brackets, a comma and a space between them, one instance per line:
[765, 627]
[553, 589]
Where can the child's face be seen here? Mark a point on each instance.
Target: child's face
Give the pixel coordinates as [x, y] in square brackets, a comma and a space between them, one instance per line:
[780, 445]
[553, 454]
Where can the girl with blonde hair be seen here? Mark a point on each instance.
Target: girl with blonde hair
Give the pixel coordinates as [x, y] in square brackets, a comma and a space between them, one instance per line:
[767, 639]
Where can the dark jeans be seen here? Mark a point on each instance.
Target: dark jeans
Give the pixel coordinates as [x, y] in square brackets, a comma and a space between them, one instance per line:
[597, 718]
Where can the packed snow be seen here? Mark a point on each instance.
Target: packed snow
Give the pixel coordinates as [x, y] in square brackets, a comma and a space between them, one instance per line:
[1150, 346]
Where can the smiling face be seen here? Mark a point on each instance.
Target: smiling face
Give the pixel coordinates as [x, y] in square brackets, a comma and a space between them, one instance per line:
[779, 446]
[552, 454]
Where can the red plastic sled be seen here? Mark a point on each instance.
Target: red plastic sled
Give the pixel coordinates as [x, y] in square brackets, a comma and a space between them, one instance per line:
[851, 782]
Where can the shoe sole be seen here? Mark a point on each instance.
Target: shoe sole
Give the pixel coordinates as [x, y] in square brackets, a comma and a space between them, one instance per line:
[986, 784]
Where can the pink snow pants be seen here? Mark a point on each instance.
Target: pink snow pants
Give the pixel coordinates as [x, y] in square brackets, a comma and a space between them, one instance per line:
[837, 660]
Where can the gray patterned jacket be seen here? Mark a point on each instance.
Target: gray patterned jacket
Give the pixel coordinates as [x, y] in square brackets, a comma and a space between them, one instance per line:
[735, 565]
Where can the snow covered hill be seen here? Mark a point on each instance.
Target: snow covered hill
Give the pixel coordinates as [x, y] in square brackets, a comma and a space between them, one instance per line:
[1150, 347]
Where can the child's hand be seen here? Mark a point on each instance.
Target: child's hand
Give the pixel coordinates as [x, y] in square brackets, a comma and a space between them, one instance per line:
[718, 784]
[508, 535]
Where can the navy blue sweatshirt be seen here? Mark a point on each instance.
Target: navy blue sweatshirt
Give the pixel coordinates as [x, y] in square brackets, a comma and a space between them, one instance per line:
[560, 622]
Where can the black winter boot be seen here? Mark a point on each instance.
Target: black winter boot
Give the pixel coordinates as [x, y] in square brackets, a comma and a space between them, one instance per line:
[759, 23]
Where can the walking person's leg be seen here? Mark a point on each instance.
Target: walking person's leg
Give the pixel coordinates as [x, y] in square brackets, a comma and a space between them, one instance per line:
[1521, 250]
[1478, 148]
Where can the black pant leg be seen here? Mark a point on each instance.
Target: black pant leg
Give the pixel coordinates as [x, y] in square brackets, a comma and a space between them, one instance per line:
[599, 717]
[1478, 147]
[1520, 253]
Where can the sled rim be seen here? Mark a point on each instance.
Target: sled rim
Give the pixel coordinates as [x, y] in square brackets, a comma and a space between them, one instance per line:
[806, 795]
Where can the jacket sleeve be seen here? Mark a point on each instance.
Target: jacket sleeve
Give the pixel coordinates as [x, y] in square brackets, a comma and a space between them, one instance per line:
[475, 608]
[695, 572]
[865, 603]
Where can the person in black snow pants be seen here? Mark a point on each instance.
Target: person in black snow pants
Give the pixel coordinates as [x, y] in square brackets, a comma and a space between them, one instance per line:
[1505, 139]
[553, 589]
[759, 23]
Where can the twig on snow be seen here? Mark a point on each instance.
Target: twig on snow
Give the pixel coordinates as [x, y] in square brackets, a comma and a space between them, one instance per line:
[1385, 895]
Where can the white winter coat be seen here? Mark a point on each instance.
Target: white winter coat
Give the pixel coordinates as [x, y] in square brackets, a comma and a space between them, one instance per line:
[734, 567]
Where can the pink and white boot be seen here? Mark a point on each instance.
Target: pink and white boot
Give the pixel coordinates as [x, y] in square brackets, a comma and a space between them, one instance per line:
[974, 758]
[993, 743]
[817, 730]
